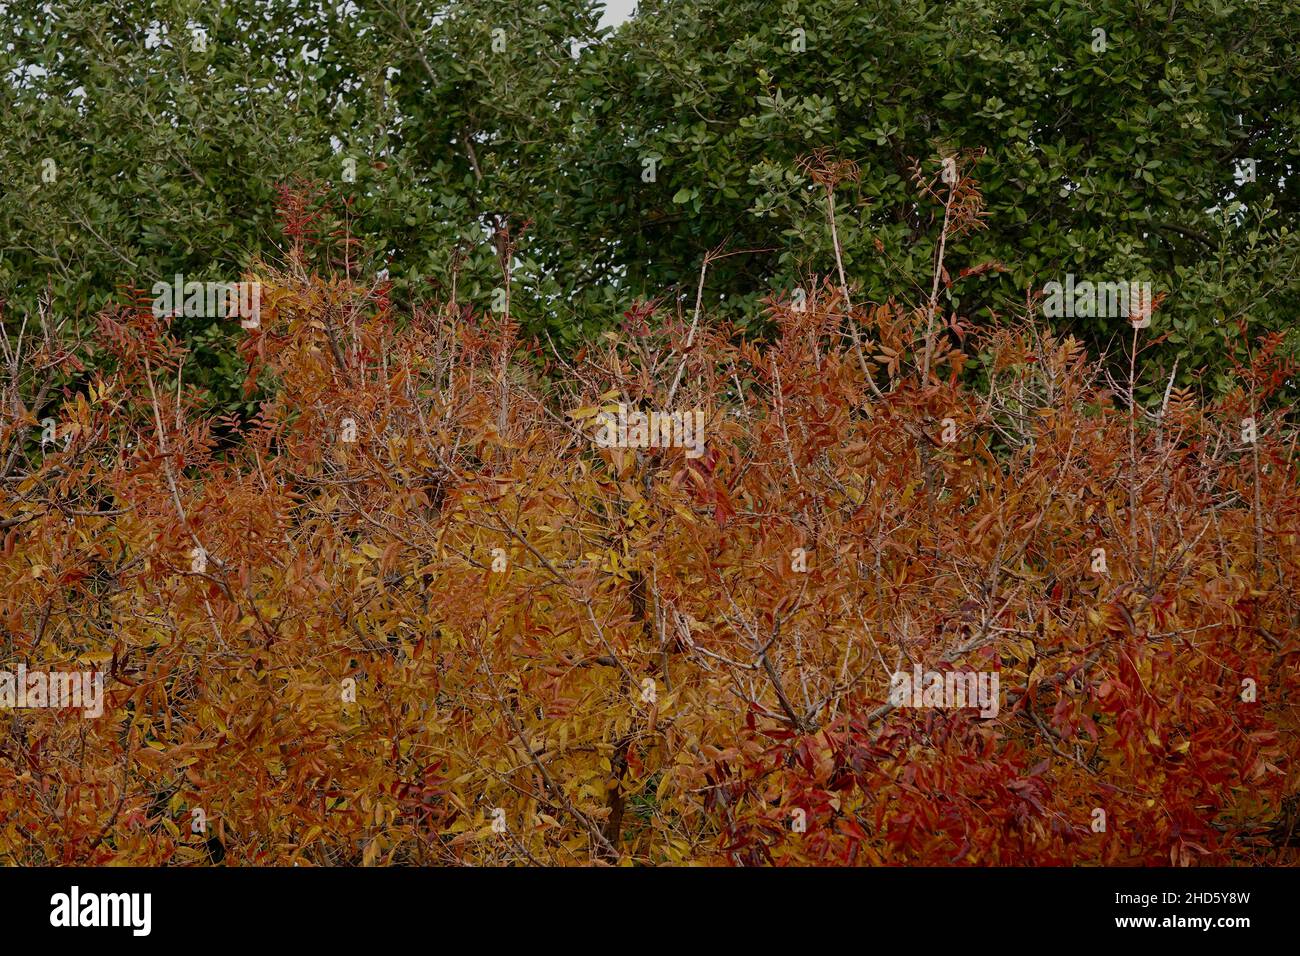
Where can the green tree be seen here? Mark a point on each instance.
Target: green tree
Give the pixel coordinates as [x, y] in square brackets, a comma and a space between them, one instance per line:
[1115, 155]
[1109, 138]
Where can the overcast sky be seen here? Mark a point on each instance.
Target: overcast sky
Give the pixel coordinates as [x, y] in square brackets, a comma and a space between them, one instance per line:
[616, 11]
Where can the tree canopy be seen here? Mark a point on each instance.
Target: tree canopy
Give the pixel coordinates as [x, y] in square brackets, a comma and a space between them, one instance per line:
[1111, 141]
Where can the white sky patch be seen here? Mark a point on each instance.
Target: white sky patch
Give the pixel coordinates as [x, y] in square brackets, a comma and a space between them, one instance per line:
[617, 12]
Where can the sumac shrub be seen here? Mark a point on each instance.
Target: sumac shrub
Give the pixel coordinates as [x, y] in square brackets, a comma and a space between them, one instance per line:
[414, 612]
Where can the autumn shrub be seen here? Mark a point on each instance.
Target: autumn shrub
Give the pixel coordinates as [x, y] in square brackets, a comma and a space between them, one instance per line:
[413, 612]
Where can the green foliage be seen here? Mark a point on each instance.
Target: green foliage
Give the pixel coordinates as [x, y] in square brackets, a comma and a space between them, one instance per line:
[1118, 164]
[1110, 164]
